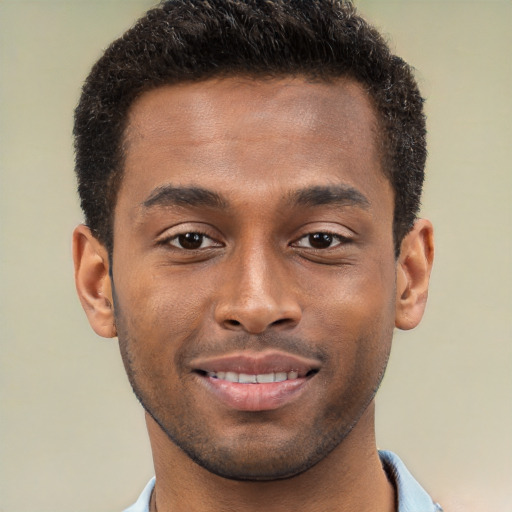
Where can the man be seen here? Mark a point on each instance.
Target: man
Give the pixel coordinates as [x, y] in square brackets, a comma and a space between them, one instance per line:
[250, 173]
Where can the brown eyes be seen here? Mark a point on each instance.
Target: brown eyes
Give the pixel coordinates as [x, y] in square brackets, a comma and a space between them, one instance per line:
[320, 241]
[193, 241]
[190, 240]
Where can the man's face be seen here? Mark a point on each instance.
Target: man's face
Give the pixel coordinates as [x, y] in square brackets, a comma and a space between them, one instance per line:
[253, 243]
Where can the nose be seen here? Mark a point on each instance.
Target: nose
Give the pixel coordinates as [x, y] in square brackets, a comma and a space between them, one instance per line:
[257, 295]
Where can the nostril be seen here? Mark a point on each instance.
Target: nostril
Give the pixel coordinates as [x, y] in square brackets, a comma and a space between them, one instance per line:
[233, 323]
[281, 321]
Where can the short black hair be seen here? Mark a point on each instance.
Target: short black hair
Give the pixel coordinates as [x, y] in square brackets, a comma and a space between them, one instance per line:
[192, 40]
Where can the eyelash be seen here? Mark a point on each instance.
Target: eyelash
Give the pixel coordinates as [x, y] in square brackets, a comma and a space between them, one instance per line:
[341, 240]
[204, 236]
[324, 236]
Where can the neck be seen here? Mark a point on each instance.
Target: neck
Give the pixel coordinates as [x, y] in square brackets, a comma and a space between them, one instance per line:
[349, 479]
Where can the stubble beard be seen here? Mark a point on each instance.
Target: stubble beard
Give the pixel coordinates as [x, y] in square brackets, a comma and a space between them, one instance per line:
[264, 461]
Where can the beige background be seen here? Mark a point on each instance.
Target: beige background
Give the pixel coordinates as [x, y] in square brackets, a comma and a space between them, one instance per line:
[72, 436]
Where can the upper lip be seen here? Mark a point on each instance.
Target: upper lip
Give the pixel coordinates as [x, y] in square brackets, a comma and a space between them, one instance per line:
[257, 363]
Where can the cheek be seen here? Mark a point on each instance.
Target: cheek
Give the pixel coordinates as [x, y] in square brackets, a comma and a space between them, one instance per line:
[359, 329]
[156, 317]
[355, 316]
[353, 299]
[161, 302]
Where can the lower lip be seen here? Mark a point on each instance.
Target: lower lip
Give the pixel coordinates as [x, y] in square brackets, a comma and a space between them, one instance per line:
[255, 397]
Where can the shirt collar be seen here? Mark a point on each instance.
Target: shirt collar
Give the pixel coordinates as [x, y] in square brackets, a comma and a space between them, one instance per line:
[411, 496]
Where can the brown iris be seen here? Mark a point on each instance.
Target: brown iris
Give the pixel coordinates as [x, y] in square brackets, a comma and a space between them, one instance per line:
[320, 240]
[191, 240]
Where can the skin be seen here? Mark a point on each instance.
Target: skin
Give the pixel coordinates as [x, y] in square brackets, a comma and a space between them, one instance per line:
[277, 162]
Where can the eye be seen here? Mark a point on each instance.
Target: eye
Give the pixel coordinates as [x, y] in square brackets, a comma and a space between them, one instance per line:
[192, 241]
[320, 241]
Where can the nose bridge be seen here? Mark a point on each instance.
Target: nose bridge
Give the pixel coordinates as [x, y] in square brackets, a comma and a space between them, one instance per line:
[259, 292]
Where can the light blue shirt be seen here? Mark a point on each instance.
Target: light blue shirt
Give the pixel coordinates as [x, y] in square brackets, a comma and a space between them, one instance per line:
[411, 496]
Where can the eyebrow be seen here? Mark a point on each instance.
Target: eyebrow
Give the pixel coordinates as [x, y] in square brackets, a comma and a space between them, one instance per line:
[339, 195]
[169, 195]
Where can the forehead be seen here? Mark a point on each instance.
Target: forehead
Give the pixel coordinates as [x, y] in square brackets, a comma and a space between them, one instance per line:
[259, 132]
[231, 108]
[308, 103]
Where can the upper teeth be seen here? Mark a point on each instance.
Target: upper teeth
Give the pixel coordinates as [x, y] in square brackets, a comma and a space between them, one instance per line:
[260, 378]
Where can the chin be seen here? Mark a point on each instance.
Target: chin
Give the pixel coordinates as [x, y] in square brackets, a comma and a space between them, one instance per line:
[261, 471]
[255, 458]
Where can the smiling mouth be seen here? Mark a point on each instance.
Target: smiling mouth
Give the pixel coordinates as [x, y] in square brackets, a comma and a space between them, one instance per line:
[248, 381]
[259, 378]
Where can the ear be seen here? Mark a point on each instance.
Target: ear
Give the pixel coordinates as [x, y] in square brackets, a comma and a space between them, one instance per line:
[413, 274]
[92, 281]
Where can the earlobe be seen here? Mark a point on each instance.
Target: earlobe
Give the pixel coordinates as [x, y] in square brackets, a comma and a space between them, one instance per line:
[413, 274]
[92, 281]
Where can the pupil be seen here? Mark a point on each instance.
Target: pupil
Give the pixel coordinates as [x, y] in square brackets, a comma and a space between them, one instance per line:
[190, 240]
[320, 240]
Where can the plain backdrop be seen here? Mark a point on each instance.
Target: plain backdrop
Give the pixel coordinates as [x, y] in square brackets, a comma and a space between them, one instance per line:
[72, 435]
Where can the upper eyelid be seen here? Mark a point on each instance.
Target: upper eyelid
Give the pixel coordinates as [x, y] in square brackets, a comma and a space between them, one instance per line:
[176, 235]
[169, 238]
[182, 228]
[331, 227]
[214, 234]
[332, 233]
[215, 243]
[341, 240]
